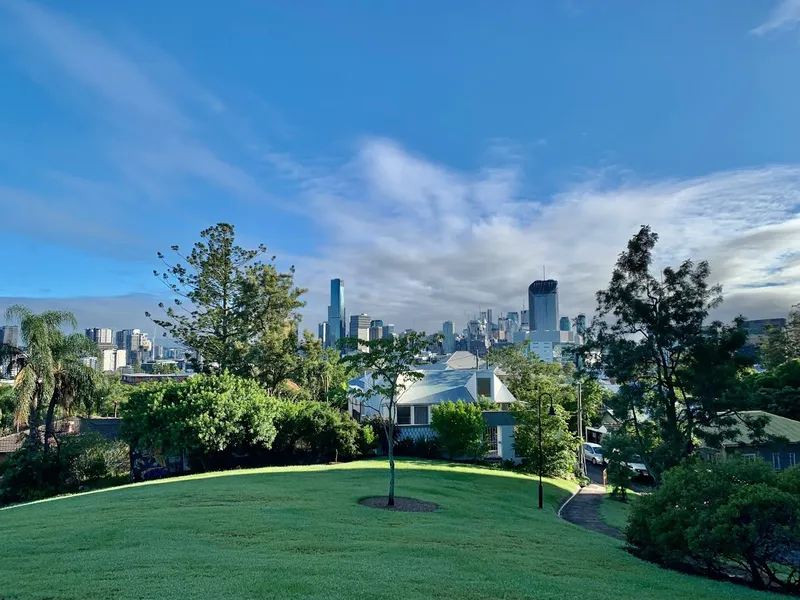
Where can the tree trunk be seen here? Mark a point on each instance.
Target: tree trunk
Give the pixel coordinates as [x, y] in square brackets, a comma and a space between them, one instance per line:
[391, 459]
[48, 421]
[33, 419]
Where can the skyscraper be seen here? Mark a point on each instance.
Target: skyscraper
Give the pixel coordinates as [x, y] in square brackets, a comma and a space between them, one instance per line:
[10, 335]
[376, 323]
[449, 332]
[564, 324]
[359, 326]
[543, 299]
[525, 322]
[388, 331]
[336, 313]
[322, 333]
[375, 332]
[581, 324]
[489, 316]
[100, 335]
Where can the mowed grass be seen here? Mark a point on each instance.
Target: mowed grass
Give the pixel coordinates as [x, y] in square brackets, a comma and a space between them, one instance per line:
[615, 513]
[299, 533]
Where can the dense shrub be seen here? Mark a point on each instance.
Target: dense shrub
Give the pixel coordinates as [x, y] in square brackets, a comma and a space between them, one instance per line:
[74, 461]
[559, 445]
[617, 451]
[418, 448]
[728, 519]
[380, 426]
[460, 426]
[204, 415]
[314, 432]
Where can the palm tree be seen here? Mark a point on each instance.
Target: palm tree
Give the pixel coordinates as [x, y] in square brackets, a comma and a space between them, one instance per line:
[35, 383]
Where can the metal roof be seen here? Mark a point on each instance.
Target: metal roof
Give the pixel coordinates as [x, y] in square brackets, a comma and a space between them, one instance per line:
[439, 386]
[777, 426]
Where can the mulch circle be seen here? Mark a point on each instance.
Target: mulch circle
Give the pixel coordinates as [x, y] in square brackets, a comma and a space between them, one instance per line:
[400, 504]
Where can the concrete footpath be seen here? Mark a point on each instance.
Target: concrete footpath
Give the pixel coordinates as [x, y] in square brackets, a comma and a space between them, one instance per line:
[584, 510]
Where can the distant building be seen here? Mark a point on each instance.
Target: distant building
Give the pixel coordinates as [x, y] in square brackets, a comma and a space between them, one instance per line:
[564, 324]
[525, 322]
[336, 314]
[90, 361]
[322, 333]
[112, 359]
[101, 335]
[546, 351]
[359, 327]
[388, 331]
[376, 323]
[449, 334]
[9, 335]
[581, 324]
[543, 298]
[375, 332]
[489, 318]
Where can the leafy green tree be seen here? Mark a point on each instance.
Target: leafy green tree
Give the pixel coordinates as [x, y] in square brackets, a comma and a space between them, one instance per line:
[650, 333]
[234, 310]
[165, 368]
[460, 426]
[109, 394]
[782, 345]
[322, 372]
[8, 403]
[318, 430]
[559, 445]
[618, 450]
[389, 368]
[201, 416]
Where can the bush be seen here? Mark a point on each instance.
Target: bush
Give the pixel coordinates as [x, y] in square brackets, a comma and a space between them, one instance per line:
[417, 448]
[617, 450]
[314, 432]
[74, 461]
[732, 518]
[380, 426]
[460, 426]
[559, 445]
[202, 416]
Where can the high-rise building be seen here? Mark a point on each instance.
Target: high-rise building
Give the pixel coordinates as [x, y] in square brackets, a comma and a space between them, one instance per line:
[112, 359]
[322, 333]
[375, 332]
[525, 322]
[336, 314]
[581, 324]
[449, 333]
[359, 326]
[388, 331]
[543, 298]
[9, 335]
[484, 316]
[101, 335]
[376, 323]
[564, 324]
[489, 316]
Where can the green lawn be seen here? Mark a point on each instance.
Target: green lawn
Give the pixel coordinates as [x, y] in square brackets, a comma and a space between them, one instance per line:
[614, 512]
[299, 533]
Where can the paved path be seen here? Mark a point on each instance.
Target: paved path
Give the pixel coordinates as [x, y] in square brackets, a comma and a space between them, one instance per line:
[584, 510]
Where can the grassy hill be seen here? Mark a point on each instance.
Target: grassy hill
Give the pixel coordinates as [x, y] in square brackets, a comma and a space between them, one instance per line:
[299, 533]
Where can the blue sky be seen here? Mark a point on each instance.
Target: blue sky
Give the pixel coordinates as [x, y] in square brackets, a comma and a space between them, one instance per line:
[433, 155]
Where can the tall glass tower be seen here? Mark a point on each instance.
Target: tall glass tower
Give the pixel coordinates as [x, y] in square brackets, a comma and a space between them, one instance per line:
[543, 299]
[336, 313]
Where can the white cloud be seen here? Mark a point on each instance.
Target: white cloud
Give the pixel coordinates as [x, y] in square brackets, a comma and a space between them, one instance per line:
[418, 243]
[784, 16]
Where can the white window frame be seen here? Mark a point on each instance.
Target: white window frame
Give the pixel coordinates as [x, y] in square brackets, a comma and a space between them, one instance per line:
[776, 461]
[492, 442]
[749, 457]
[410, 416]
[792, 459]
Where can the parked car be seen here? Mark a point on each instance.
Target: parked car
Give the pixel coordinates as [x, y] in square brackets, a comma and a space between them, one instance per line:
[593, 453]
[638, 467]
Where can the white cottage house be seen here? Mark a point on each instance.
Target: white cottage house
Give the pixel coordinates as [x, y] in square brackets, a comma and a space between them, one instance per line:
[458, 376]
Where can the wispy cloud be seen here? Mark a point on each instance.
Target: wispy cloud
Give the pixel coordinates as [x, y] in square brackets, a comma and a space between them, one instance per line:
[417, 242]
[784, 16]
[148, 110]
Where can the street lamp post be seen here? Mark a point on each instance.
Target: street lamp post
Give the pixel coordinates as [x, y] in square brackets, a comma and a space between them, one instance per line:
[552, 413]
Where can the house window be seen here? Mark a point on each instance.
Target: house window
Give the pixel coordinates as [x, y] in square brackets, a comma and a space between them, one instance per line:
[490, 437]
[484, 387]
[404, 415]
[776, 461]
[749, 457]
[420, 415]
[792, 460]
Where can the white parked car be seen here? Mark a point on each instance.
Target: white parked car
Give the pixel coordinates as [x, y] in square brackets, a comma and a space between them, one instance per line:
[593, 453]
[638, 467]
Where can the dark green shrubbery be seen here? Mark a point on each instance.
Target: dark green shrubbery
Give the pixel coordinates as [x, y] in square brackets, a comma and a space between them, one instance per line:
[317, 432]
[72, 462]
[460, 426]
[418, 448]
[727, 519]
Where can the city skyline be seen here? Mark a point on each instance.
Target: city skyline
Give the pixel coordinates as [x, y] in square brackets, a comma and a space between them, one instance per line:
[429, 188]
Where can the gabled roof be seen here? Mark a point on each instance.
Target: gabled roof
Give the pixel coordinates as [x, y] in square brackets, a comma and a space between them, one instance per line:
[777, 426]
[439, 386]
